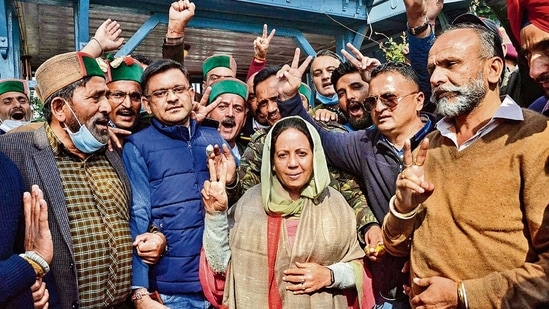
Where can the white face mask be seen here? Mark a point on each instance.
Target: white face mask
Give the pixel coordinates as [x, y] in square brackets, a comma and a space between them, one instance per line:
[83, 140]
[9, 124]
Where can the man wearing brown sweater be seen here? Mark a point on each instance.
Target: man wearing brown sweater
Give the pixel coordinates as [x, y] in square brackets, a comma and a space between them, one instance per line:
[470, 207]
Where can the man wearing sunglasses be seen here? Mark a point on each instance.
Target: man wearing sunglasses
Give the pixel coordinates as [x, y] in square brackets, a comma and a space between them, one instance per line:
[374, 155]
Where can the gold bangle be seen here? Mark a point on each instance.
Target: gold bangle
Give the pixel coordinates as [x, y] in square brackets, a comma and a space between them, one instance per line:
[37, 268]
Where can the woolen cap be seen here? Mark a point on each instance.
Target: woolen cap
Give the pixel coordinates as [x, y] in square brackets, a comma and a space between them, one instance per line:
[218, 61]
[62, 70]
[15, 85]
[124, 68]
[228, 85]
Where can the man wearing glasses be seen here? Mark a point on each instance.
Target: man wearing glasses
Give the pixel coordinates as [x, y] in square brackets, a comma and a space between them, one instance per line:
[374, 156]
[124, 92]
[166, 165]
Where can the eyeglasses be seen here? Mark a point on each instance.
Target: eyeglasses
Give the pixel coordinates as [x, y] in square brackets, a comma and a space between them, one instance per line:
[163, 93]
[390, 100]
[118, 97]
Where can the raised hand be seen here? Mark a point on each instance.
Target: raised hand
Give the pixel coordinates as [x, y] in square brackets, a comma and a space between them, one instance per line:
[224, 155]
[364, 64]
[201, 109]
[261, 44]
[412, 188]
[214, 195]
[289, 77]
[37, 232]
[181, 12]
[108, 35]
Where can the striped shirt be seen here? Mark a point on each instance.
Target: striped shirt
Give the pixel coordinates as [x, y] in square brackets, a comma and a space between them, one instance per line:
[99, 222]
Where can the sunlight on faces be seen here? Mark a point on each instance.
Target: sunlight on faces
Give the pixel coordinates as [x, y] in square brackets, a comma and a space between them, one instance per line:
[173, 109]
[124, 113]
[92, 108]
[387, 119]
[535, 44]
[351, 91]
[463, 99]
[218, 73]
[457, 80]
[15, 106]
[267, 112]
[231, 114]
[321, 70]
[293, 160]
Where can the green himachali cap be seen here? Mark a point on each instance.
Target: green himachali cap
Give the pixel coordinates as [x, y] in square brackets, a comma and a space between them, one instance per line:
[14, 85]
[218, 61]
[228, 85]
[124, 68]
[64, 69]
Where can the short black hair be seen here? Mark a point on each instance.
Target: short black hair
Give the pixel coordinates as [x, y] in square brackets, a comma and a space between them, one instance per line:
[161, 66]
[264, 74]
[142, 58]
[344, 68]
[399, 67]
[289, 123]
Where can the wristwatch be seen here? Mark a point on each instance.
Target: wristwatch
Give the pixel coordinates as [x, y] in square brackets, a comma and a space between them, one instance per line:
[419, 29]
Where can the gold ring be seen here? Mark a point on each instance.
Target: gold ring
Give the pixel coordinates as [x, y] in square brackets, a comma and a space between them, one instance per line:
[407, 165]
[417, 164]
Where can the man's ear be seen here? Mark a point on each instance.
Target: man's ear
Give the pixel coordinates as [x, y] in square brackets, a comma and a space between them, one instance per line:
[146, 104]
[494, 69]
[58, 109]
[420, 100]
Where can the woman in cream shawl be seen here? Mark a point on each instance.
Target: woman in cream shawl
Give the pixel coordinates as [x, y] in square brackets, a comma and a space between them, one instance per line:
[293, 243]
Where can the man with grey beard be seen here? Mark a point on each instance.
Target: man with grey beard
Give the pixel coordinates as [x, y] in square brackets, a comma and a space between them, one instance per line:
[471, 205]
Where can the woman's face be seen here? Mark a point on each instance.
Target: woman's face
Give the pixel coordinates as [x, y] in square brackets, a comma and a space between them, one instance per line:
[293, 161]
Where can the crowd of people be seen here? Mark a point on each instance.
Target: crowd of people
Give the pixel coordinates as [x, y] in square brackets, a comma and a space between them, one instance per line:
[392, 185]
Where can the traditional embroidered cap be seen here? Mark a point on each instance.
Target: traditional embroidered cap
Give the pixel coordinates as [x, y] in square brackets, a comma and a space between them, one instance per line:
[124, 68]
[306, 91]
[228, 85]
[15, 85]
[218, 61]
[62, 70]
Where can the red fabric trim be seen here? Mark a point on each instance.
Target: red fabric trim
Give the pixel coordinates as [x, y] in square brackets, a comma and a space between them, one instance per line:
[273, 236]
[535, 11]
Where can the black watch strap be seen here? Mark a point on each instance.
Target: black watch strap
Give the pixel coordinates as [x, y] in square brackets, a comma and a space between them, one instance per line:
[419, 29]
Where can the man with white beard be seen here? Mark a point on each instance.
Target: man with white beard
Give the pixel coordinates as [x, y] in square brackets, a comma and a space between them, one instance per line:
[471, 205]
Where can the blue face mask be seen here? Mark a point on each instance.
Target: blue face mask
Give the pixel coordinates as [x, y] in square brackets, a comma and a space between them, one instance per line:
[83, 140]
[326, 100]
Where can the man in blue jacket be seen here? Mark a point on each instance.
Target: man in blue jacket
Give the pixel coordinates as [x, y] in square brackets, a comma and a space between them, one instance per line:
[166, 165]
[374, 155]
